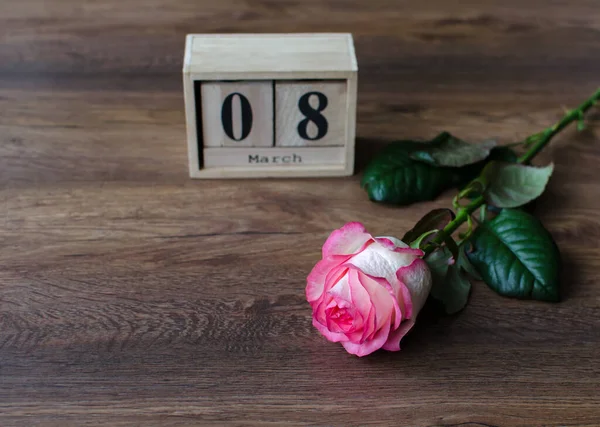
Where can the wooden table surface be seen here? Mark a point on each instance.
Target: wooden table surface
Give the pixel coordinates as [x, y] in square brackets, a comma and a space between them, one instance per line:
[132, 295]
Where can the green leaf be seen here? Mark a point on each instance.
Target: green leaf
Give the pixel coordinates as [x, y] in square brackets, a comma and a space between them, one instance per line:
[516, 256]
[438, 262]
[393, 177]
[502, 153]
[513, 185]
[447, 150]
[450, 285]
[466, 265]
[437, 219]
[451, 245]
[455, 293]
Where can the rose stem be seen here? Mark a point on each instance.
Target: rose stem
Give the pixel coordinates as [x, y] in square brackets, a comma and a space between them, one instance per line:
[544, 138]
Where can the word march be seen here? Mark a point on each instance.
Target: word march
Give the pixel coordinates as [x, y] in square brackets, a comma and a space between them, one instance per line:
[255, 159]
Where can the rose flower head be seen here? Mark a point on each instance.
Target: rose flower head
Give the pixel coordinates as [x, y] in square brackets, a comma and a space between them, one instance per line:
[366, 292]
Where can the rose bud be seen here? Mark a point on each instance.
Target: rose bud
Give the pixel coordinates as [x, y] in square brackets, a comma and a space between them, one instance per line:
[366, 292]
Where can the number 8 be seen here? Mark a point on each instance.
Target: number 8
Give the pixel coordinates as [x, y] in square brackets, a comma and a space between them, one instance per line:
[313, 115]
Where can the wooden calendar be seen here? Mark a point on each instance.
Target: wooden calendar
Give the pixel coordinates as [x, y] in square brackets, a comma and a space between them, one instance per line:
[270, 105]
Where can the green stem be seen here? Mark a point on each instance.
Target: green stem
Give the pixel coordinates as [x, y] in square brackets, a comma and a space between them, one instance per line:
[549, 133]
[545, 137]
[461, 217]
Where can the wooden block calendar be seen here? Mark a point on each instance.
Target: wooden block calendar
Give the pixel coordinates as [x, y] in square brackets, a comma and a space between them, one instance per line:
[270, 105]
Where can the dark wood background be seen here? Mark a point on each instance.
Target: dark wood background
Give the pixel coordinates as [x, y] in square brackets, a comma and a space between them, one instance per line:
[132, 295]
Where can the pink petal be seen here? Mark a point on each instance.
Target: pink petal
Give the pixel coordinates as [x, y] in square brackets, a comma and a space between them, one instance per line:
[331, 336]
[361, 300]
[369, 346]
[386, 242]
[402, 299]
[398, 313]
[369, 327]
[347, 240]
[405, 300]
[397, 245]
[355, 333]
[417, 279]
[360, 297]
[333, 327]
[381, 299]
[340, 291]
[416, 252]
[316, 279]
[320, 307]
[393, 341]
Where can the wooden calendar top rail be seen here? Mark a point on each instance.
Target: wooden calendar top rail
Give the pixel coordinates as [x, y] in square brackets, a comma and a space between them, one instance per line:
[269, 56]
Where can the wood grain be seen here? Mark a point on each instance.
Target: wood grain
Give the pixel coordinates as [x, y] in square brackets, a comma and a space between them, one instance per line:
[132, 295]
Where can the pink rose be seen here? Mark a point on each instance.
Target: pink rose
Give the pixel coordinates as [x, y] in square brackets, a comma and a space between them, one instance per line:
[366, 292]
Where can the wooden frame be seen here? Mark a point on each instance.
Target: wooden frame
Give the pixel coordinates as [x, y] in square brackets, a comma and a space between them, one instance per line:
[277, 58]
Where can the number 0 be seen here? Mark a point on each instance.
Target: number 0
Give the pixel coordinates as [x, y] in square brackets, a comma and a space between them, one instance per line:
[227, 116]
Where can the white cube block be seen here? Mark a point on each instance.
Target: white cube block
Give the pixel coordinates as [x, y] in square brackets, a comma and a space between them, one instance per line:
[270, 105]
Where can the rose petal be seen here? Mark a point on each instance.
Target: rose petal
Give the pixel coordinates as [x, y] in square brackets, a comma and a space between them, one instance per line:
[394, 338]
[360, 297]
[381, 299]
[355, 332]
[326, 300]
[333, 325]
[341, 290]
[377, 261]
[405, 300]
[369, 346]
[410, 251]
[417, 279]
[361, 300]
[346, 240]
[387, 242]
[331, 336]
[397, 245]
[320, 307]
[316, 279]
[398, 314]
